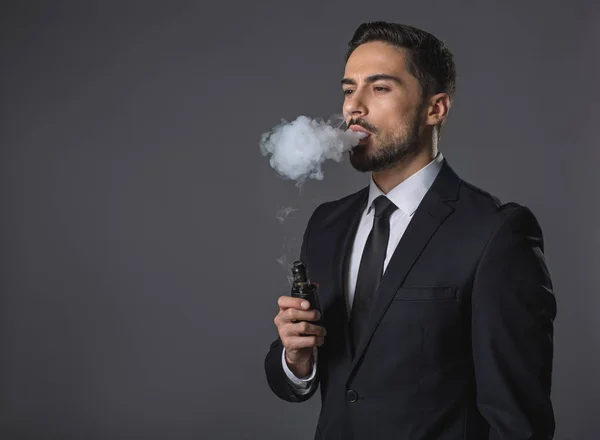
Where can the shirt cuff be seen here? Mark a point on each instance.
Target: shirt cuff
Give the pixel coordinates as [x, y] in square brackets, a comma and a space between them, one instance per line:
[301, 383]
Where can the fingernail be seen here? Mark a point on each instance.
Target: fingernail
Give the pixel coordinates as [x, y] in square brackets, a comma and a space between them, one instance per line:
[305, 304]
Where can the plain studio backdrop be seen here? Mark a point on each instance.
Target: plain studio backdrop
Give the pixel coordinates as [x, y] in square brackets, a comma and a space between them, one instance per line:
[142, 242]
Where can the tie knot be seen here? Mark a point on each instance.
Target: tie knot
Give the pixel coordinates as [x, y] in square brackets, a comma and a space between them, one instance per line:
[384, 207]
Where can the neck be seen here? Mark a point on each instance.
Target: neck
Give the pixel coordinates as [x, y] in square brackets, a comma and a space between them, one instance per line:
[388, 179]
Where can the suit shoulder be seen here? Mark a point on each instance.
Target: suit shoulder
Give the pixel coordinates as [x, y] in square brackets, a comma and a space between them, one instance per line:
[489, 203]
[500, 215]
[480, 198]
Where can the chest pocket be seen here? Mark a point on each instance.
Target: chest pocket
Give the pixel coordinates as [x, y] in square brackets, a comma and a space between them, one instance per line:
[434, 307]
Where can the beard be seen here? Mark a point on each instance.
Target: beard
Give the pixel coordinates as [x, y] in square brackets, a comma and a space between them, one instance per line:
[390, 151]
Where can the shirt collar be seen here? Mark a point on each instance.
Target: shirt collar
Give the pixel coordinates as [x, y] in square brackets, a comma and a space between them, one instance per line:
[407, 195]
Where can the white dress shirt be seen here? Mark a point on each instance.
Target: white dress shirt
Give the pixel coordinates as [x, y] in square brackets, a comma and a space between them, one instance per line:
[407, 196]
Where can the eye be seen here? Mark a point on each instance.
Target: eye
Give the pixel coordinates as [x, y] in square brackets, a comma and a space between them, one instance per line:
[380, 89]
[348, 92]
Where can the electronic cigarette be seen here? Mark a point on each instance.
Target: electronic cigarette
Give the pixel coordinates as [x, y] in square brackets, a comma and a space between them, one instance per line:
[303, 288]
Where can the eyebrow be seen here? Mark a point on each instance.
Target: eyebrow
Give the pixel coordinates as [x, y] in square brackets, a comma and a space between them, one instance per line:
[373, 78]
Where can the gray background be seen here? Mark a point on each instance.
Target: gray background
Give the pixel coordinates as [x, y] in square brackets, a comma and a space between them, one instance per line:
[139, 236]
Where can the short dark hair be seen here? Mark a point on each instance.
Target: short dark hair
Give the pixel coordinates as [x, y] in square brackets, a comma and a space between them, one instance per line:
[429, 59]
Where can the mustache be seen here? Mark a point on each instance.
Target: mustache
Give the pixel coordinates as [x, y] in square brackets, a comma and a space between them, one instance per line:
[362, 123]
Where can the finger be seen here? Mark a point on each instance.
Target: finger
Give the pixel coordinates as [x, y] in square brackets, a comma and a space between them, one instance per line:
[286, 302]
[304, 328]
[301, 329]
[294, 315]
[298, 342]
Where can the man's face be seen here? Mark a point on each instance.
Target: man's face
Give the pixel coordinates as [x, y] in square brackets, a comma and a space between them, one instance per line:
[382, 97]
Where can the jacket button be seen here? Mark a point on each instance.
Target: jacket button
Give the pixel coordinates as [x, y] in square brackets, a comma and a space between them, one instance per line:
[352, 396]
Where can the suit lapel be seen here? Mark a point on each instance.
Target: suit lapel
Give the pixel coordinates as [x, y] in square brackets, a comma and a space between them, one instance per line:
[348, 226]
[428, 217]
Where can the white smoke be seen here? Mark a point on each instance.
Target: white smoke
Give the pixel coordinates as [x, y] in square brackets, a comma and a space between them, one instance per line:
[286, 249]
[299, 148]
[284, 213]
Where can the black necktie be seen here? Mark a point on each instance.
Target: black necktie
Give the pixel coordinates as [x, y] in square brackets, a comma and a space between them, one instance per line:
[371, 266]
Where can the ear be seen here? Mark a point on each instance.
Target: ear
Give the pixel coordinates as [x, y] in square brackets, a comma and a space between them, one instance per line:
[438, 108]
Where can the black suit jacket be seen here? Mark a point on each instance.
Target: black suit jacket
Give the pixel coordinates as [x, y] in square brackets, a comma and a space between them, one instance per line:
[459, 340]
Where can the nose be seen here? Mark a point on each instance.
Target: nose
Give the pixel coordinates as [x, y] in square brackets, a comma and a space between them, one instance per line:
[354, 106]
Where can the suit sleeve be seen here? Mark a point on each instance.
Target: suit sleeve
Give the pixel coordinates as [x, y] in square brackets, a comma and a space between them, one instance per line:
[277, 379]
[513, 309]
[301, 385]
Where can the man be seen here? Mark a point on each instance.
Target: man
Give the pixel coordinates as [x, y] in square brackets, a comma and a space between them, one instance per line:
[436, 304]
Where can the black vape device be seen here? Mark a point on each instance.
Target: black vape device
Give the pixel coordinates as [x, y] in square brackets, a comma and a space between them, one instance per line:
[303, 288]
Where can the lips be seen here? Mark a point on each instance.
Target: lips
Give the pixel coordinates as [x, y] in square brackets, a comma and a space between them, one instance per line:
[365, 135]
[359, 128]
